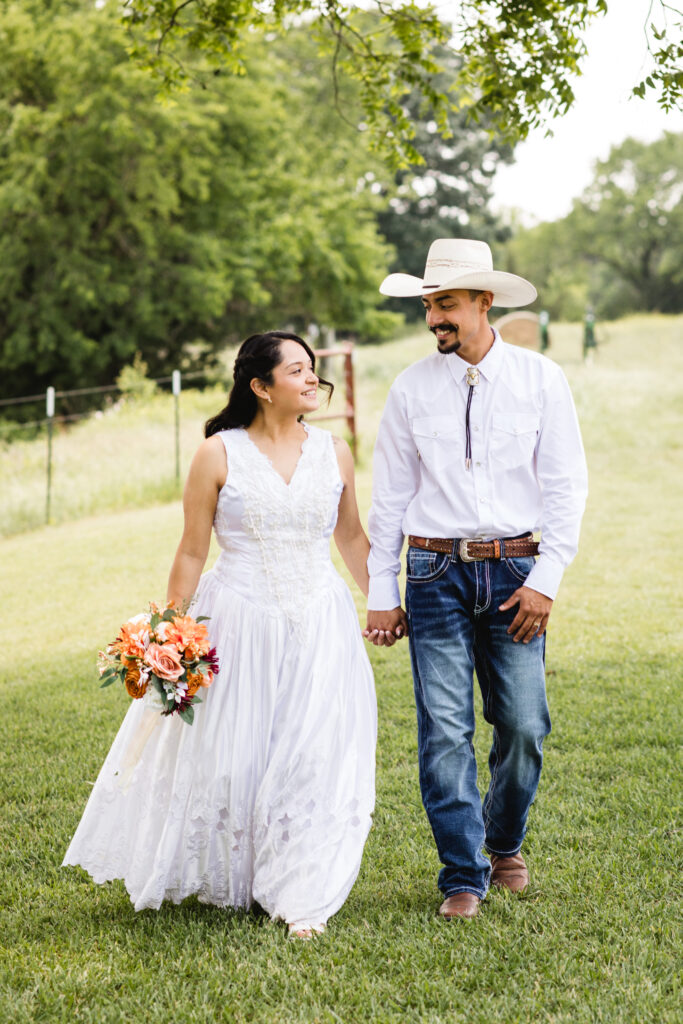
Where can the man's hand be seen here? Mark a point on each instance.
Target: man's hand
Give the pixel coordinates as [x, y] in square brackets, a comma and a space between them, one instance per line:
[383, 629]
[532, 615]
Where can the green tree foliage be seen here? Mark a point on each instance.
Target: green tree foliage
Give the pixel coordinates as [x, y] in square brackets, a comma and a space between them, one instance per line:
[130, 226]
[517, 59]
[446, 195]
[385, 55]
[621, 248]
[544, 255]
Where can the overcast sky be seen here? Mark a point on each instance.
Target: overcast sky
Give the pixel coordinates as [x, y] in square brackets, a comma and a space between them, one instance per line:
[549, 172]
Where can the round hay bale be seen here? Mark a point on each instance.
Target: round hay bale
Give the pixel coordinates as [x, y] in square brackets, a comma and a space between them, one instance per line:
[520, 329]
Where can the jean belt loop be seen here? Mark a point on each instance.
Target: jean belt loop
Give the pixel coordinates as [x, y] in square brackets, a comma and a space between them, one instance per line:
[502, 549]
[454, 551]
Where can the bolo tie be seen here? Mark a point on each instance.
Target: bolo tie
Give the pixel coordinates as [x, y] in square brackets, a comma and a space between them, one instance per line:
[472, 377]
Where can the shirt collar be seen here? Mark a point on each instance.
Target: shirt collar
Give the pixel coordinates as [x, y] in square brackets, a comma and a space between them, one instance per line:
[489, 367]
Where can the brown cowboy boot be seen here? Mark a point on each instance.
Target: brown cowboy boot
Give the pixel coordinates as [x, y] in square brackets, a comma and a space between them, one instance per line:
[460, 904]
[509, 872]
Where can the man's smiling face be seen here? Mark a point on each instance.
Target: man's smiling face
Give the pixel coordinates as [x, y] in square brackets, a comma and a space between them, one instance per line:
[455, 317]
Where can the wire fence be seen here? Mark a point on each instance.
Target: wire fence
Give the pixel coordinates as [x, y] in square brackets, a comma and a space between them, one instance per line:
[47, 404]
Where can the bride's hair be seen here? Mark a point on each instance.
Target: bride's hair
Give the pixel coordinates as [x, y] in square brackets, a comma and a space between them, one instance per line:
[257, 357]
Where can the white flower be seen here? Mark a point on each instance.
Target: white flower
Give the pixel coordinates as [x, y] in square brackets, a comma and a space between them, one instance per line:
[142, 617]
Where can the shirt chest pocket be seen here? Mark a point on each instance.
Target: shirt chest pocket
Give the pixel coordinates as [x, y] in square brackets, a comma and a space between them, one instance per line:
[513, 438]
[438, 439]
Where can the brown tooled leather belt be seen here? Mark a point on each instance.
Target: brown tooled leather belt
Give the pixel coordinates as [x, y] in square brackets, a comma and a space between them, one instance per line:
[477, 550]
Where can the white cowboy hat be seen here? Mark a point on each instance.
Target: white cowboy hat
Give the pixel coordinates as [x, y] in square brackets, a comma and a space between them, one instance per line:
[461, 263]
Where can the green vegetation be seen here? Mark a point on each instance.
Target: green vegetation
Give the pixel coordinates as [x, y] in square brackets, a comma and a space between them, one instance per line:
[170, 229]
[447, 194]
[621, 248]
[595, 937]
[167, 228]
[517, 59]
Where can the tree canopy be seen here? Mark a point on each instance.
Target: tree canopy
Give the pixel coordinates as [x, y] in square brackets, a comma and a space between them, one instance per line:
[621, 247]
[448, 193]
[517, 60]
[168, 229]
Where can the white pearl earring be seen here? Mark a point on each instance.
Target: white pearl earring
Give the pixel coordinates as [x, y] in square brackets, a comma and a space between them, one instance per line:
[269, 399]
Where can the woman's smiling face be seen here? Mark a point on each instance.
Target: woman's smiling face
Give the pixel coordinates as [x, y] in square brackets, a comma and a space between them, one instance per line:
[295, 385]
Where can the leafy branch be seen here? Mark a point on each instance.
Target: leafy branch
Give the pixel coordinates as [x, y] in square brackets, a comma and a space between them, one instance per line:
[517, 60]
[667, 73]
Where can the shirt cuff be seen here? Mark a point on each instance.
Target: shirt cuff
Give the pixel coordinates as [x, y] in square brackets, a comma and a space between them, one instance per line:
[545, 577]
[383, 594]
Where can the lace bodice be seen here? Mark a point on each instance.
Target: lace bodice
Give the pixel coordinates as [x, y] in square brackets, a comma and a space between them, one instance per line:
[275, 536]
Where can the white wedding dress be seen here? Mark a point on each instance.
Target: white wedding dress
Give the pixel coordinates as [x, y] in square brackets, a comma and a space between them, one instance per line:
[268, 795]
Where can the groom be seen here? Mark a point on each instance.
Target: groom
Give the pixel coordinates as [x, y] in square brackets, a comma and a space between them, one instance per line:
[478, 447]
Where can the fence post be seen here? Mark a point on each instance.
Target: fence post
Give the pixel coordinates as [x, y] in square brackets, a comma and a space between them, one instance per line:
[175, 387]
[350, 400]
[50, 412]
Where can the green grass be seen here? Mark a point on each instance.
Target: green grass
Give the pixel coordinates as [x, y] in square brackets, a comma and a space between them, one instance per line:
[594, 939]
[119, 458]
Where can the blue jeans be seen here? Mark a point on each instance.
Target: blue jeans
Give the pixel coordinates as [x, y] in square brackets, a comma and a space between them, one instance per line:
[455, 629]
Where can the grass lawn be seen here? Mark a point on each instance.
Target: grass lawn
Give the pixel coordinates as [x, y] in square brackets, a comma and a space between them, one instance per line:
[594, 939]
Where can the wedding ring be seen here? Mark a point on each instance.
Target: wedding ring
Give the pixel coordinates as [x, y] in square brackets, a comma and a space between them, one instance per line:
[537, 624]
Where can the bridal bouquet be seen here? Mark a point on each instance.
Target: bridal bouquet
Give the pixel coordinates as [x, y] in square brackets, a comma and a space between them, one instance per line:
[162, 657]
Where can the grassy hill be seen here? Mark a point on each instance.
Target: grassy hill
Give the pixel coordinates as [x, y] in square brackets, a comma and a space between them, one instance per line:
[595, 937]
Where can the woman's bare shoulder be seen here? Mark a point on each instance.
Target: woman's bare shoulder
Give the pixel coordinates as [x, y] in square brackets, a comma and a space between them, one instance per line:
[210, 459]
[344, 457]
[340, 445]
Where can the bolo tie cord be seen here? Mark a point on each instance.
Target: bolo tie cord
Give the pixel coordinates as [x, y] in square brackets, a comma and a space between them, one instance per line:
[468, 437]
[472, 380]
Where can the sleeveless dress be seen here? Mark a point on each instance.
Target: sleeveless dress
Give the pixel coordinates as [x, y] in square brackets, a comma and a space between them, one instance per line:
[268, 795]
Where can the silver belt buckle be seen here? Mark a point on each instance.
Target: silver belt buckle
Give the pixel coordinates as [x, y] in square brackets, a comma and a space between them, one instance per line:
[463, 553]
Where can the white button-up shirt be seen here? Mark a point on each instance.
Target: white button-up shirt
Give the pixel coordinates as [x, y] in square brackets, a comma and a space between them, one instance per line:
[528, 469]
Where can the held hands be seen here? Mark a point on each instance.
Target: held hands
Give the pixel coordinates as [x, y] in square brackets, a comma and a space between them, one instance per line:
[384, 628]
[532, 615]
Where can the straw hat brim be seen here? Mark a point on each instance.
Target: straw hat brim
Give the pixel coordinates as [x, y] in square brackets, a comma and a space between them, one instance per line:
[508, 289]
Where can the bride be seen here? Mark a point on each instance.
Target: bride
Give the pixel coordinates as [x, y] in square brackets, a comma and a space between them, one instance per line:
[268, 796]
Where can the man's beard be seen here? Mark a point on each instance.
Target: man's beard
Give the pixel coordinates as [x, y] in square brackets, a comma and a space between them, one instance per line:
[453, 346]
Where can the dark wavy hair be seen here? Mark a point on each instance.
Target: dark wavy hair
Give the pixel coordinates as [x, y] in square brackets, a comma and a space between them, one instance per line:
[257, 357]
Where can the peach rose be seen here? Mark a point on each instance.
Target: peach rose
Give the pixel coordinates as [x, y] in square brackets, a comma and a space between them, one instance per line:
[165, 661]
[135, 686]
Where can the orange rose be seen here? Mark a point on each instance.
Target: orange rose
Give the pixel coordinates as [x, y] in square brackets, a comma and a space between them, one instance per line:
[194, 681]
[134, 686]
[197, 679]
[189, 636]
[165, 661]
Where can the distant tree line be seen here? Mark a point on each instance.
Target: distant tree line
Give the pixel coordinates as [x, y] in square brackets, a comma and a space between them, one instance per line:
[620, 250]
